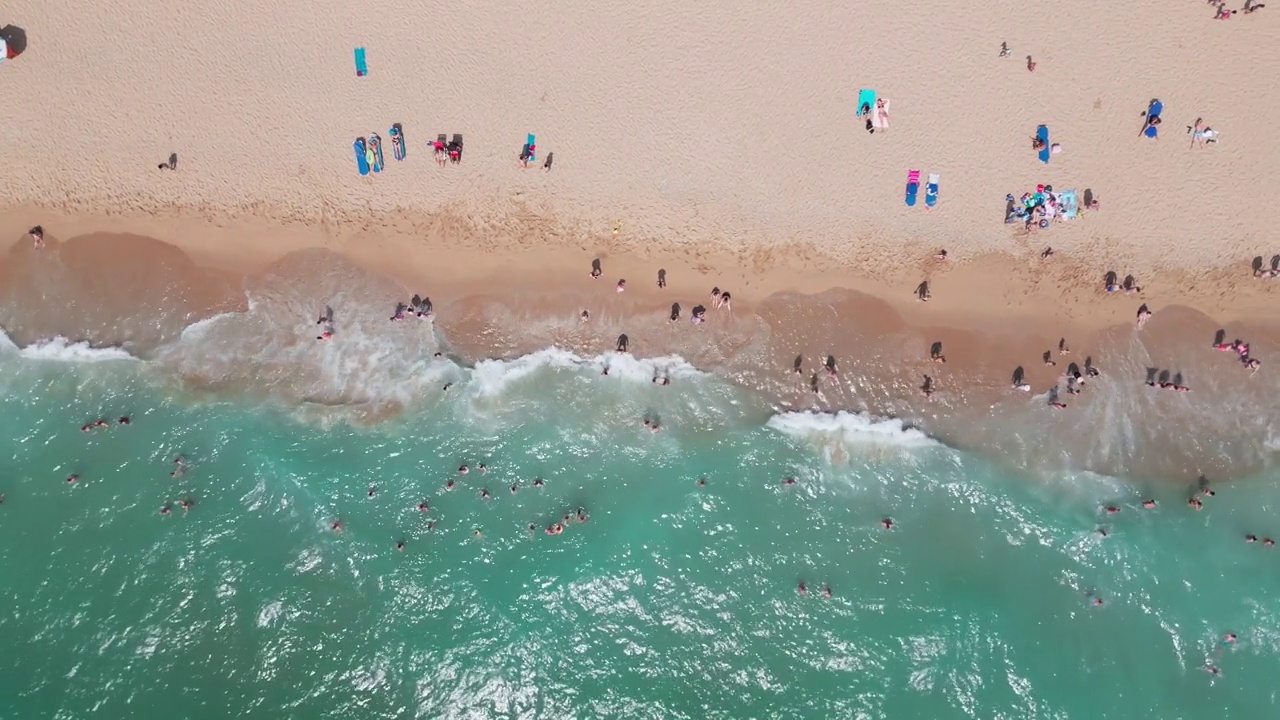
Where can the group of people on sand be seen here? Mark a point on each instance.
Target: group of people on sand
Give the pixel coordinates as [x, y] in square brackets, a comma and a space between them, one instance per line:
[1224, 13]
[417, 306]
[1241, 349]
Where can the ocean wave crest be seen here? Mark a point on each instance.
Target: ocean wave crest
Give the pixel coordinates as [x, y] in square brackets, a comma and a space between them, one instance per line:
[63, 350]
[849, 428]
[490, 377]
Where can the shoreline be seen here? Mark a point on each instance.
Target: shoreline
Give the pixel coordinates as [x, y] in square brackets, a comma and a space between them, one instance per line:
[500, 302]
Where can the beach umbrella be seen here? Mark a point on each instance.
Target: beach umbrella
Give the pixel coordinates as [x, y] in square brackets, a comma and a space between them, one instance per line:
[15, 39]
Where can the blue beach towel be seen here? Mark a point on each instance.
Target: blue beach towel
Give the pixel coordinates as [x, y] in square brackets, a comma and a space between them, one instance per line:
[532, 143]
[931, 191]
[362, 67]
[375, 144]
[362, 163]
[398, 147]
[867, 99]
[1042, 134]
[913, 187]
[1154, 109]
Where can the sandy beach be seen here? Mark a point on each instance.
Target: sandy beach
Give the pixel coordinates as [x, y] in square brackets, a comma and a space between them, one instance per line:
[718, 145]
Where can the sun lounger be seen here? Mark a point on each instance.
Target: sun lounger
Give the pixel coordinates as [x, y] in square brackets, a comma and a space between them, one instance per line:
[362, 65]
[866, 99]
[362, 163]
[375, 144]
[398, 147]
[931, 191]
[913, 187]
[880, 115]
[1042, 134]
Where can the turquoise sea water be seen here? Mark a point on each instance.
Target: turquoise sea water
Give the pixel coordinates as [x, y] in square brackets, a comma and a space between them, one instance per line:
[672, 601]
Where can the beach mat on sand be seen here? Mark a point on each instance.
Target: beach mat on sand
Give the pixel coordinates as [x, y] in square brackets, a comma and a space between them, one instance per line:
[1042, 134]
[362, 65]
[375, 144]
[913, 187]
[880, 115]
[533, 147]
[398, 147]
[1070, 204]
[931, 191]
[866, 98]
[362, 163]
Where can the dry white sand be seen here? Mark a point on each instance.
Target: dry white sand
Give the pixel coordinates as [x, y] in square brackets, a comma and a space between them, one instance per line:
[717, 123]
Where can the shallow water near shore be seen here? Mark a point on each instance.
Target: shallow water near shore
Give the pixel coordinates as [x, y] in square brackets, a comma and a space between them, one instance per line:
[673, 600]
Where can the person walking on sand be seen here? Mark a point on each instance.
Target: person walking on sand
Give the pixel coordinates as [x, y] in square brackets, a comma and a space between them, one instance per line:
[1004, 49]
[546, 166]
[1031, 64]
[1144, 314]
[37, 236]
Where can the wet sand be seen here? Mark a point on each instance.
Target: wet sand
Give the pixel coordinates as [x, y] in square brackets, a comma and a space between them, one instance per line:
[140, 293]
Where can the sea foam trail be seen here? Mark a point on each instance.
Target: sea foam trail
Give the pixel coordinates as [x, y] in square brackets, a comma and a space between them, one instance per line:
[491, 377]
[850, 429]
[63, 350]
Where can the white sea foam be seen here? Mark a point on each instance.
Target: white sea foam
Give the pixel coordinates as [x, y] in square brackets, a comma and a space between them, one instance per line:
[63, 350]
[490, 377]
[849, 429]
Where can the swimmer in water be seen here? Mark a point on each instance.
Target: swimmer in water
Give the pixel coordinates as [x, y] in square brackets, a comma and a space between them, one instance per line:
[582, 515]
[702, 482]
[788, 482]
[71, 479]
[826, 591]
[326, 335]
[423, 507]
[1251, 538]
[1148, 504]
[515, 488]
[450, 485]
[101, 424]
[1268, 542]
[400, 546]
[662, 381]
[336, 526]
[555, 529]
[166, 509]
[532, 528]
[1212, 670]
[1195, 503]
[1228, 638]
[567, 519]
[887, 523]
[484, 494]
[483, 469]
[538, 482]
[463, 469]
[1097, 602]
[802, 588]
[1112, 509]
[477, 534]
[86, 428]
[446, 387]
[1102, 531]
[124, 420]
[373, 490]
[179, 467]
[186, 504]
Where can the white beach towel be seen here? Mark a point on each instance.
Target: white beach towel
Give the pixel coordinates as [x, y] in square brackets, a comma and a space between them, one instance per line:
[880, 116]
